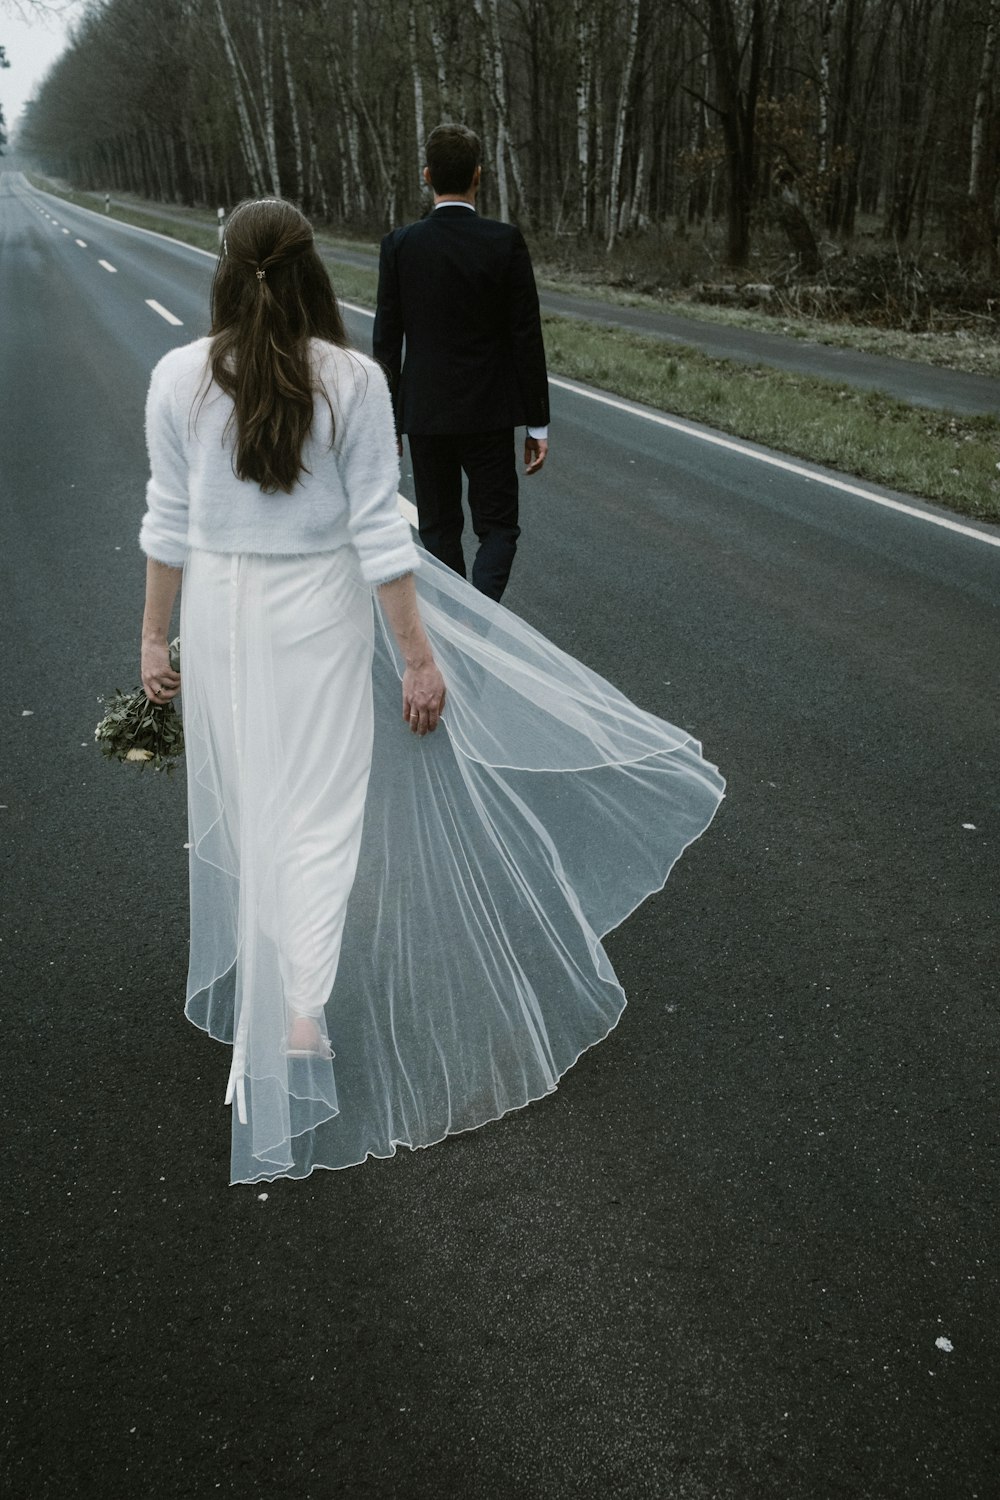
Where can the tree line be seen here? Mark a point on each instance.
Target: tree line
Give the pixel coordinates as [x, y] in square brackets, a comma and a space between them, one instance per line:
[599, 118]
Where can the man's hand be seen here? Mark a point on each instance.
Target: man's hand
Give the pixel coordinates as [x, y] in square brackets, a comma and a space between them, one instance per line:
[535, 450]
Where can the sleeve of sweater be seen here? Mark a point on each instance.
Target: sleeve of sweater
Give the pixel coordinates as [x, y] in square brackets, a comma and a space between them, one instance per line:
[369, 472]
[164, 531]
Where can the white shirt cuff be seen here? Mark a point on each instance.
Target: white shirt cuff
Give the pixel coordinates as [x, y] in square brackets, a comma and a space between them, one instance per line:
[542, 433]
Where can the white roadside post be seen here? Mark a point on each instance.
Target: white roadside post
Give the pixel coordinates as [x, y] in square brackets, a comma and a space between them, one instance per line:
[107, 203]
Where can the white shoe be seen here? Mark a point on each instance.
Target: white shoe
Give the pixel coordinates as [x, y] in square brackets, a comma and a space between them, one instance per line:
[306, 1040]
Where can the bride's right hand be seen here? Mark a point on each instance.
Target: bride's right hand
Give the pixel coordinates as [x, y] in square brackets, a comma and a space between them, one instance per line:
[159, 680]
[423, 697]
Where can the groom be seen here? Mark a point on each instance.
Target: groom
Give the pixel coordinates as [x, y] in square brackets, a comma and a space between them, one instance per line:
[460, 290]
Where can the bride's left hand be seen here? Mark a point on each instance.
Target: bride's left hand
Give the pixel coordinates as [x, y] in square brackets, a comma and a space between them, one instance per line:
[159, 680]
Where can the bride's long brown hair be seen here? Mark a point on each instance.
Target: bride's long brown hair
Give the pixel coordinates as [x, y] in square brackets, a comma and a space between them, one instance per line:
[270, 296]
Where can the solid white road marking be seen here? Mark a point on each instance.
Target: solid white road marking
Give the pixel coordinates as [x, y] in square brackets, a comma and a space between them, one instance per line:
[159, 308]
[734, 446]
[707, 437]
[82, 244]
[799, 470]
[113, 269]
[407, 510]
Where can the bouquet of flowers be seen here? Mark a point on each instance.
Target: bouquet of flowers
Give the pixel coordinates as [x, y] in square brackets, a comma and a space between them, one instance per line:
[145, 733]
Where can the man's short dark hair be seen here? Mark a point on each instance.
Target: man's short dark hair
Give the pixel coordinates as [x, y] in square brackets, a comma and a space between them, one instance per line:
[453, 154]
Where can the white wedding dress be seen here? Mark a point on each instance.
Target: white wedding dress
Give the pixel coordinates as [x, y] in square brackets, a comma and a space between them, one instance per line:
[436, 904]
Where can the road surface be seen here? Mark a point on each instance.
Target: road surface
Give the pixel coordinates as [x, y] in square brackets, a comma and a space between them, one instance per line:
[748, 1249]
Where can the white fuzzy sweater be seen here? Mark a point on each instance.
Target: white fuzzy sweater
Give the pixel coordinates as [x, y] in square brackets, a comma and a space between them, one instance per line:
[348, 495]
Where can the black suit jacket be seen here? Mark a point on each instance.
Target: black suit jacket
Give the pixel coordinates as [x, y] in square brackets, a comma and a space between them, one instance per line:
[461, 292]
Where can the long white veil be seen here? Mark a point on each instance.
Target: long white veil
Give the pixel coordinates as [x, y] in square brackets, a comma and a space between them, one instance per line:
[495, 855]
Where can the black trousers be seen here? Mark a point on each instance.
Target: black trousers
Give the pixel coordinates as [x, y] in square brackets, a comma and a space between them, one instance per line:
[488, 461]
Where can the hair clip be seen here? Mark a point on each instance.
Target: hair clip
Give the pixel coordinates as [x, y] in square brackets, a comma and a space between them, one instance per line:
[260, 274]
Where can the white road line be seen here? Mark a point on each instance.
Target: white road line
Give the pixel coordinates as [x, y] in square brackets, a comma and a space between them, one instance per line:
[407, 510]
[113, 269]
[764, 458]
[82, 244]
[649, 416]
[774, 462]
[168, 316]
[154, 234]
[65, 231]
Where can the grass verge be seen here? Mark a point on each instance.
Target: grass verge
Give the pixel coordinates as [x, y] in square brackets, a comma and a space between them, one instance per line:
[952, 460]
[948, 459]
[976, 354]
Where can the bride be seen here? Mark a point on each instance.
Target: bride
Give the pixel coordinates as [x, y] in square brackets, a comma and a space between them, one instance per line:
[398, 934]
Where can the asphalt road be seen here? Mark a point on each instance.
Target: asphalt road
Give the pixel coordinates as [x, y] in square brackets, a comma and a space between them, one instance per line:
[748, 1249]
[908, 380]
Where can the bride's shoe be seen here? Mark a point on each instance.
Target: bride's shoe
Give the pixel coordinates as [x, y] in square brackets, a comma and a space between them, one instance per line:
[306, 1040]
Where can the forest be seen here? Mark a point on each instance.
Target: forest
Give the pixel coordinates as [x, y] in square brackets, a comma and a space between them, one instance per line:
[602, 121]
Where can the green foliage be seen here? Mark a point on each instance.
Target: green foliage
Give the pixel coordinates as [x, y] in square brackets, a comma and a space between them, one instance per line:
[140, 732]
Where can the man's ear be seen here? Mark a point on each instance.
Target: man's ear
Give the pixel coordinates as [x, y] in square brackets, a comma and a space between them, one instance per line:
[427, 176]
[477, 174]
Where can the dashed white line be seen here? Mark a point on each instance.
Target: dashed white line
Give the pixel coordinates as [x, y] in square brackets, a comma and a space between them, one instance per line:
[112, 269]
[163, 312]
[82, 244]
[65, 231]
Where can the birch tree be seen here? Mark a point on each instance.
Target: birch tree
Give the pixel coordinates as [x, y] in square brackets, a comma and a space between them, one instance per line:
[981, 218]
[621, 115]
[237, 78]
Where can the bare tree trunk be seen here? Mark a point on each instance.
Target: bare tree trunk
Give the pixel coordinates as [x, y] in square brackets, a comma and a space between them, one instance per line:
[980, 217]
[318, 199]
[599, 201]
[418, 88]
[265, 49]
[352, 181]
[584, 64]
[635, 213]
[828, 11]
[293, 106]
[738, 66]
[251, 156]
[506, 152]
[440, 63]
[358, 110]
[793, 221]
[620, 120]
